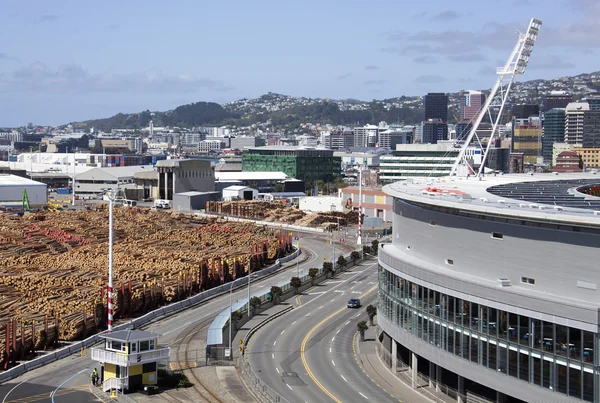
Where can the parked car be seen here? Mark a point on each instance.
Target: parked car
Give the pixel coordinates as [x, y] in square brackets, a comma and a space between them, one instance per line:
[354, 303]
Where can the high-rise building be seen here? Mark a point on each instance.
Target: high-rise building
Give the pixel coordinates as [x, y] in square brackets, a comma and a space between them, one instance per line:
[470, 103]
[436, 106]
[389, 138]
[591, 129]
[365, 136]
[593, 100]
[462, 130]
[524, 111]
[574, 122]
[527, 139]
[557, 99]
[434, 130]
[338, 140]
[554, 131]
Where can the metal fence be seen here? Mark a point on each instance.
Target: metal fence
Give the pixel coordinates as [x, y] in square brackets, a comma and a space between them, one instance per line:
[261, 389]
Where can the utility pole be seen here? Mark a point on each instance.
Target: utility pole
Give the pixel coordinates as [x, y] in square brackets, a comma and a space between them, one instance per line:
[230, 315]
[249, 275]
[110, 260]
[73, 190]
[298, 261]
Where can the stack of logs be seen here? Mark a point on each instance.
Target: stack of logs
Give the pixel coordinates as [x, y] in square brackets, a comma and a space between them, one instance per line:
[56, 268]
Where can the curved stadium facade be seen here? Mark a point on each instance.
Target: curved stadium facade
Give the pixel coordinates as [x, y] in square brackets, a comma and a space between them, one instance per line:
[490, 287]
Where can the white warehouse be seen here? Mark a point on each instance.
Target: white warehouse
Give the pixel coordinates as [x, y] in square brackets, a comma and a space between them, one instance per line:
[12, 186]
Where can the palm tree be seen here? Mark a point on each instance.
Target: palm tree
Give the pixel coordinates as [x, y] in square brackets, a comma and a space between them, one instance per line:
[362, 327]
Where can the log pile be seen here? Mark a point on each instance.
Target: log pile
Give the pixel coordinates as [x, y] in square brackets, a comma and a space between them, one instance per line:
[57, 267]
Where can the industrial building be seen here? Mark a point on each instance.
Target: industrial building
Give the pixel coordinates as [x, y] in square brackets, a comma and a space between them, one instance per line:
[375, 203]
[237, 192]
[490, 286]
[96, 180]
[184, 175]
[190, 201]
[12, 187]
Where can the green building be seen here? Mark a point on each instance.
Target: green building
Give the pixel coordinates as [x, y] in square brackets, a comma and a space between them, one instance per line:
[306, 164]
[554, 131]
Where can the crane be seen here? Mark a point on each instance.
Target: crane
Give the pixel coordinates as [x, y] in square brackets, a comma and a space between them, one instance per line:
[25, 201]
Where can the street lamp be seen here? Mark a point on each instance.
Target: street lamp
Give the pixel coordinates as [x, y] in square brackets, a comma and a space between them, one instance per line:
[112, 197]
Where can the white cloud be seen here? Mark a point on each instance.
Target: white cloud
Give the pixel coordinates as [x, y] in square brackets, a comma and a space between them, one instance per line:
[72, 78]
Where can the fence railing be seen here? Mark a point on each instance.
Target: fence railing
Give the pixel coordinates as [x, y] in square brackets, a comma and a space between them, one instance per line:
[115, 383]
[264, 391]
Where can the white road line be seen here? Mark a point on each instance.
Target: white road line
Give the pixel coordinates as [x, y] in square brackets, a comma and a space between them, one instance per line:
[294, 322]
[358, 314]
[283, 331]
[333, 363]
[277, 369]
[346, 323]
[333, 300]
[289, 386]
[65, 381]
[343, 378]
[16, 386]
[330, 349]
[184, 325]
[320, 307]
[333, 338]
[338, 331]
[275, 342]
[273, 356]
[316, 293]
[308, 314]
[363, 395]
[334, 282]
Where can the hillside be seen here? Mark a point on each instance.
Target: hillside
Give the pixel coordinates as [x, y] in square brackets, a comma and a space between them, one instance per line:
[287, 112]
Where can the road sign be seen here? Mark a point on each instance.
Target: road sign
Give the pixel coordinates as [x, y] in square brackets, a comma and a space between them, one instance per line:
[227, 353]
[241, 341]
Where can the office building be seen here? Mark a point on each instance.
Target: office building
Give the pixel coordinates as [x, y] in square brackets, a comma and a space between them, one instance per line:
[307, 164]
[206, 146]
[554, 131]
[557, 99]
[593, 101]
[242, 142]
[338, 140]
[436, 106]
[568, 161]
[524, 111]
[591, 129]
[390, 138]
[470, 102]
[434, 130]
[184, 175]
[589, 156]
[574, 115]
[462, 130]
[527, 139]
[366, 136]
[489, 287]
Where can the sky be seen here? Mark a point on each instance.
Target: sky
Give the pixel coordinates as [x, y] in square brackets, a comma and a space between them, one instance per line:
[64, 61]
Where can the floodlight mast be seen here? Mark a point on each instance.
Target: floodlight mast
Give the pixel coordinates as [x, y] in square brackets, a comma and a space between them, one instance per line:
[516, 64]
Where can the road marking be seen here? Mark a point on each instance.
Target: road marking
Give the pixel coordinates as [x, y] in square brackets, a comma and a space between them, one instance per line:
[16, 386]
[275, 342]
[338, 331]
[333, 338]
[283, 331]
[346, 323]
[358, 314]
[277, 369]
[317, 293]
[330, 349]
[334, 282]
[184, 325]
[333, 300]
[308, 314]
[363, 395]
[333, 363]
[343, 378]
[273, 356]
[65, 381]
[294, 322]
[289, 386]
[320, 307]
[303, 350]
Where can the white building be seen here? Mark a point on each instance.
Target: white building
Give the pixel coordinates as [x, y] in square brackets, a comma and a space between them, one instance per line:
[12, 186]
[237, 192]
[365, 136]
[206, 146]
[356, 159]
[321, 204]
[96, 180]
[574, 122]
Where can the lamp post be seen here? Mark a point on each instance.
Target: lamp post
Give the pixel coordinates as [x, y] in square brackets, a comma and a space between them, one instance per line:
[230, 314]
[359, 239]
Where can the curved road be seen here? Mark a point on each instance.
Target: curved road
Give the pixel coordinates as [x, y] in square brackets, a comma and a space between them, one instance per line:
[69, 378]
[307, 354]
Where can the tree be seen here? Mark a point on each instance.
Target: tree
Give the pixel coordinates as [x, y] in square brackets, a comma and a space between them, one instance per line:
[341, 262]
[375, 246]
[236, 316]
[328, 269]
[295, 282]
[367, 249]
[255, 303]
[355, 255]
[362, 327]
[371, 311]
[312, 273]
[276, 293]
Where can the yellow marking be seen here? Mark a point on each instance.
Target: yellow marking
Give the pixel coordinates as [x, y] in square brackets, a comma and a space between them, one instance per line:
[305, 341]
[178, 366]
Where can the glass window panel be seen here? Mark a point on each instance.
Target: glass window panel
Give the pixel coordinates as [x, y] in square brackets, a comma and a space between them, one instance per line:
[548, 374]
[513, 363]
[464, 346]
[561, 340]
[575, 382]
[588, 347]
[502, 359]
[561, 378]
[524, 367]
[492, 322]
[588, 387]
[451, 341]
[548, 336]
[524, 330]
[513, 325]
[474, 349]
[536, 326]
[503, 324]
[537, 370]
[451, 309]
[574, 349]
[483, 353]
[492, 362]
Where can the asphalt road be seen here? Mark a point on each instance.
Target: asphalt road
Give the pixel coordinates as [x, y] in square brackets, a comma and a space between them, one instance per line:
[306, 355]
[68, 379]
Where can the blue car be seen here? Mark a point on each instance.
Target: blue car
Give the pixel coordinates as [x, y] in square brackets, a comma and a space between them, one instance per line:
[354, 303]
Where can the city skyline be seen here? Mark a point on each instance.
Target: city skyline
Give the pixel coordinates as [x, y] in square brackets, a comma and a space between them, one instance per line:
[71, 61]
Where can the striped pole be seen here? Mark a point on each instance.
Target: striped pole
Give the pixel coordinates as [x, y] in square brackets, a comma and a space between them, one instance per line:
[110, 263]
[359, 239]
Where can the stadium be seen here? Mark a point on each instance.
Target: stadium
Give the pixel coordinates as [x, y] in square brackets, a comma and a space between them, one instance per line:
[489, 287]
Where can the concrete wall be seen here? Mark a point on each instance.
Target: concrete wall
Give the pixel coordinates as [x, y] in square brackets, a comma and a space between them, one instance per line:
[37, 194]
